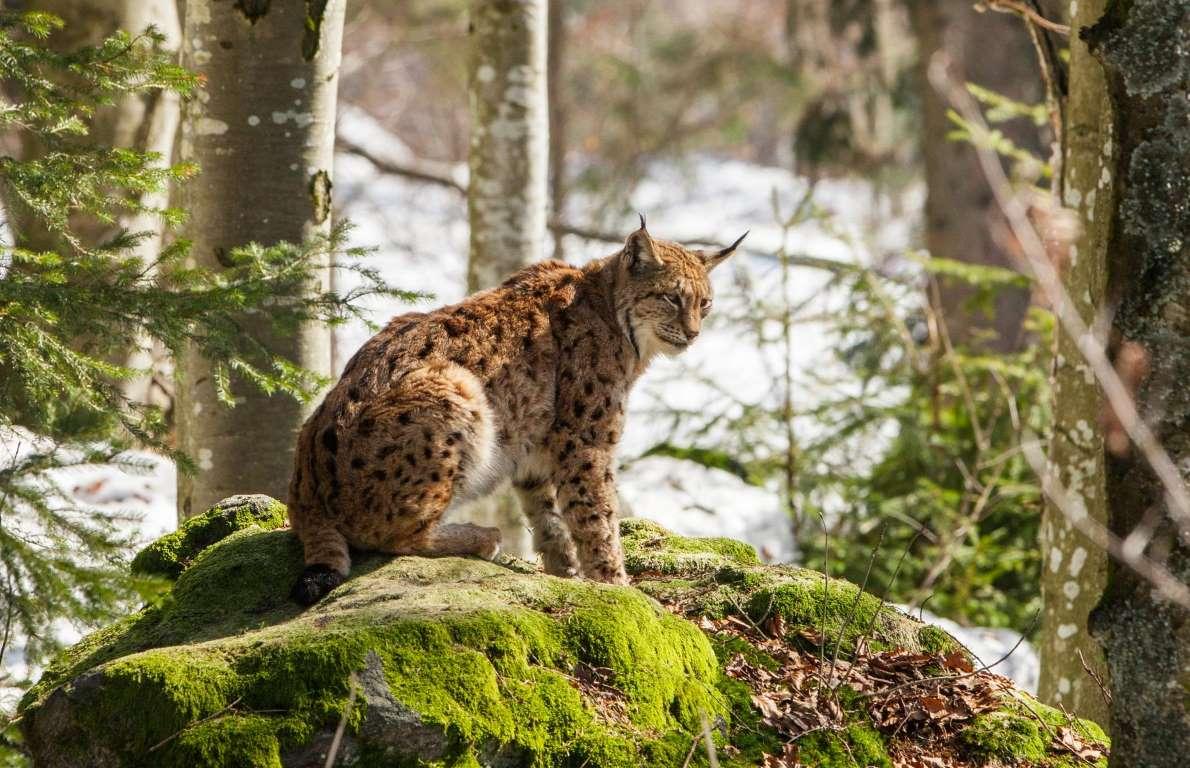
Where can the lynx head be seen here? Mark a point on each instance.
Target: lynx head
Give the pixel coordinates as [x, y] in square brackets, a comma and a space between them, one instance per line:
[664, 291]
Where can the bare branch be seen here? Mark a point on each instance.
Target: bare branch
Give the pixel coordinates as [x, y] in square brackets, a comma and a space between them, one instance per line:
[1020, 9]
[1090, 344]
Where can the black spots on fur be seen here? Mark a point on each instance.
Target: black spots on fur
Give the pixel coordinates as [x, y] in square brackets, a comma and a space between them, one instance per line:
[388, 516]
[411, 460]
[607, 402]
[330, 440]
[455, 327]
[379, 475]
[579, 409]
[353, 394]
[386, 451]
[566, 375]
[366, 426]
[612, 437]
[568, 448]
[330, 466]
[609, 476]
[589, 389]
[503, 435]
[597, 414]
[530, 483]
[587, 466]
[427, 452]
[357, 463]
[435, 477]
[404, 417]
[527, 342]
[427, 434]
[446, 454]
[426, 349]
[453, 438]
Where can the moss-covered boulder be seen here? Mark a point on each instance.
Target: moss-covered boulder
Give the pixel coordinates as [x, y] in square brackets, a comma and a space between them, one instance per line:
[461, 662]
[169, 555]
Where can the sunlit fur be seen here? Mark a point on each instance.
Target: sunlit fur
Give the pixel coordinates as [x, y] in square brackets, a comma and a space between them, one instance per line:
[525, 382]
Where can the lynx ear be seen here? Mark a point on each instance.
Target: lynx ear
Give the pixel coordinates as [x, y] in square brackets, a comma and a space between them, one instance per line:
[712, 259]
[638, 248]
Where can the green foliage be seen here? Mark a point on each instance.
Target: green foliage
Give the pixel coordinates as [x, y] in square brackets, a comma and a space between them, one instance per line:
[71, 305]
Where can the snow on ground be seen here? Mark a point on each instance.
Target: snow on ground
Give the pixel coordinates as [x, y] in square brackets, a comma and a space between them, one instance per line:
[421, 232]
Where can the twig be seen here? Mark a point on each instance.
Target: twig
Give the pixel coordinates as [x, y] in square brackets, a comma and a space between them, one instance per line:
[333, 754]
[712, 755]
[942, 678]
[863, 588]
[1106, 694]
[196, 723]
[1019, 8]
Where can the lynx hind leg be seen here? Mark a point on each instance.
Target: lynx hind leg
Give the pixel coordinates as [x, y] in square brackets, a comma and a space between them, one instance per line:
[551, 537]
[413, 452]
[327, 559]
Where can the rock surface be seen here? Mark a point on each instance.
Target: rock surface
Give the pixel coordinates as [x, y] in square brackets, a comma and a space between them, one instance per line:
[462, 662]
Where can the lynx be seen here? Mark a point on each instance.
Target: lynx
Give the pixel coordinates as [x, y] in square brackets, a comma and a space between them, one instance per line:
[527, 381]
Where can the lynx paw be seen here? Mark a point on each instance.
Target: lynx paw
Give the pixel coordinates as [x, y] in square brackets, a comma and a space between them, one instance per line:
[316, 581]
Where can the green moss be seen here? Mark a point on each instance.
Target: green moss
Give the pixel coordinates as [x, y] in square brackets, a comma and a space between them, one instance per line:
[649, 548]
[169, 555]
[234, 741]
[1004, 736]
[487, 664]
[852, 746]
[935, 640]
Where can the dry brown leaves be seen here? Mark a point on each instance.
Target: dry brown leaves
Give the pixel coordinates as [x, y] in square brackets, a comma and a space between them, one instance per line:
[924, 699]
[597, 686]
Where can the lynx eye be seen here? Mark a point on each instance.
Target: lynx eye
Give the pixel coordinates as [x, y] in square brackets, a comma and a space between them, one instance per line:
[673, 299]
[706, 305]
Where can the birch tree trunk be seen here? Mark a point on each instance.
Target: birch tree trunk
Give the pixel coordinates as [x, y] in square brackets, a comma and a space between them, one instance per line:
[506, 199]
[263, 133]
[509, 138]
[1074, 570]
[1144, 46]
[558, 110]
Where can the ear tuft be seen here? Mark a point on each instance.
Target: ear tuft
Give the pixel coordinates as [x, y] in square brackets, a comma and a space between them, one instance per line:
[638, 248]
[712, 259]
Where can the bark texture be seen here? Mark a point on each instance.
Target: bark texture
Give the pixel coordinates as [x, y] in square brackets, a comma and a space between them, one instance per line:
[263, 133]
[1144, 46]
[509, 161]
[509, 138]
[558, 114]
[963, 222]
[1075, 570]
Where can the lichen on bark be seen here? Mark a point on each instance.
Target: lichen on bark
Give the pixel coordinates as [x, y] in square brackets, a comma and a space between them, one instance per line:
[1144, 46]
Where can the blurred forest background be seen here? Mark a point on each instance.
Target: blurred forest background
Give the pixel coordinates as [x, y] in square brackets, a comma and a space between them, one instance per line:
[877, 367]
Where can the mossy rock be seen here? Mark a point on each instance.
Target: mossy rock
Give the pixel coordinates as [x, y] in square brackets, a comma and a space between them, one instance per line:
[169, 555]
[445, 662]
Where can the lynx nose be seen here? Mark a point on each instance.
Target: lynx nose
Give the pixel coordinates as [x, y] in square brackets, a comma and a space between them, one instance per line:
[691, 334]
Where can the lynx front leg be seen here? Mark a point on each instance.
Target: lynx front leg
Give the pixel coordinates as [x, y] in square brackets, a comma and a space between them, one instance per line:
[587, 497]
[550, 536]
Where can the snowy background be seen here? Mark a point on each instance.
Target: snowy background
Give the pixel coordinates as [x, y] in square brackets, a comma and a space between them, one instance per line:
[421, 231]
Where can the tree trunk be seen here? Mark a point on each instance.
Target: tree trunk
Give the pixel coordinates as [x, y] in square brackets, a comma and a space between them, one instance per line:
[263, 133]
[963, 222]
[1144, 46]
[558, 108]
[1074, 570]
[506, 199]
[509, 145]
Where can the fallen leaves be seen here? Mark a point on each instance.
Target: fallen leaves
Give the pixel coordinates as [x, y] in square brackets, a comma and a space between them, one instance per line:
[921, 700]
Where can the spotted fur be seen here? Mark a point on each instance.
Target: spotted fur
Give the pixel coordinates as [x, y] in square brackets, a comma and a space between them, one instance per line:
[527, 381]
